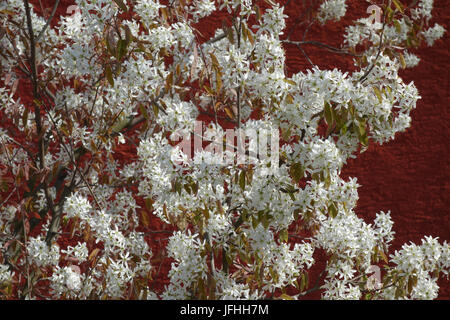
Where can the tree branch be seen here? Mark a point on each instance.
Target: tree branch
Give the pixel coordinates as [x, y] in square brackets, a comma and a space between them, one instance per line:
[48, 21]
[321, 45]
[380, 46]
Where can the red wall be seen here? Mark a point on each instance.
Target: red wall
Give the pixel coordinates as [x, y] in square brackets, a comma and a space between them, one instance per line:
[410, 175]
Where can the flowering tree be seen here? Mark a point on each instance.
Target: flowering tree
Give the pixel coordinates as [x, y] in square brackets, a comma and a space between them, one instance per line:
[243, 222]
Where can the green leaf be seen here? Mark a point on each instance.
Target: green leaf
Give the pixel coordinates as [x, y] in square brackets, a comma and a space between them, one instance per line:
[344, 129]
[178, 186]
[242, 179]
[332, 210]
[284, 235]
[250, 36]
[273, 274]
[255, 222]
[121, 5]
[291, 82]
[328, 114]
[338, 118]
[143, 111]
[169, 80]
[383, 256]
[286, 297]
[398, 293]
[155, 110]
[289, 99]
[291, 195]
[229, 259]
[303, 281]
[286, 134]
[149, 204]
[297, 172]
[229, 33]
[378, 94]
[244, 32]
[214, 60]
[412, 282]
[194, 187]
[128, 35]
[121, 49]
[188, 189]
[206, 213]
[249, 174]
[397, 26]
[390, 14]
[25, 117]
[351, 108]
[398, 5]
[109, 75]
[402, 61]
[265, 221]
[364, 141]
[218, 81]
[258, 12]
[361, 128]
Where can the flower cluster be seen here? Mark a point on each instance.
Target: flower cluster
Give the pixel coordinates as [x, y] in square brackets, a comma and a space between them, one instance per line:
[417, 266]
[332, 10]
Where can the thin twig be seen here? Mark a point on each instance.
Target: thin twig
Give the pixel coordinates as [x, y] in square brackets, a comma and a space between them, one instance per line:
[306, 55]
[321, 45]
[37, 110]
[215, 39]
[316, 285]
[48, 21]
[369, 70]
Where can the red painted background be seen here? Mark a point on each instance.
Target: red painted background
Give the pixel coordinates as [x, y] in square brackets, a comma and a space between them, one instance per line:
[410, 175]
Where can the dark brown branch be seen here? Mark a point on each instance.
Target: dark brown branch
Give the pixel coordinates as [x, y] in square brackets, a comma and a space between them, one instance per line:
[215, 39]
[48, 21]
[306, 55]
[32, 58]
[380, 46]
[238, 89]
[316, 285]
[37, 110]
[321, 45]
[206, 113]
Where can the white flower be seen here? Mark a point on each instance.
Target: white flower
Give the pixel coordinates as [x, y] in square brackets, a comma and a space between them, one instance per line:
[332, 10]
[411, 60]
[189, 264]
[383, 227]
[433, 34]
[219, 228]
[340, 290]
[77, 206]
[5, 274]
[66, 280]
[73, 278]
[121, 139]
[40, 254]
[423, 9]
[202, 8]
[148, 10]
[273, 21]
[79, 252]
[8, 214]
